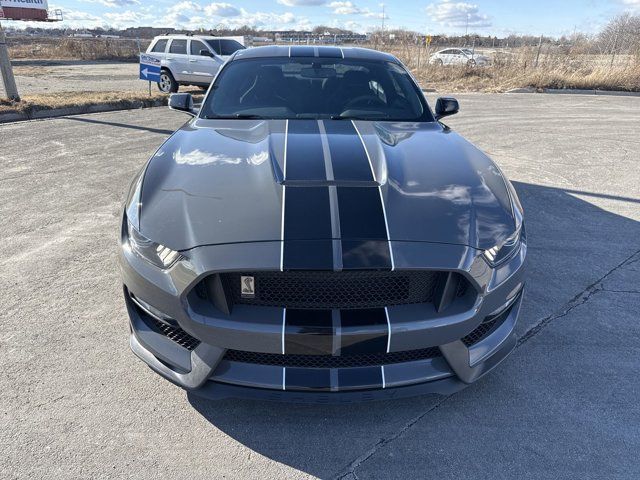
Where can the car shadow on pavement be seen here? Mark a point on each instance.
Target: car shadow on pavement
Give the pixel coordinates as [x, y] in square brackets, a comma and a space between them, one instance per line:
[161, 131]
[572, 244]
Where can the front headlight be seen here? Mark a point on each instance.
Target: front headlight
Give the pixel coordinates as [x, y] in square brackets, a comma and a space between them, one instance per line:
[500, 253]
[155, 253]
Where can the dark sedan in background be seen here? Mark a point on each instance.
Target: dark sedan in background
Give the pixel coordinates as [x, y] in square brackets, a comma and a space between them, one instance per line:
[315, 233]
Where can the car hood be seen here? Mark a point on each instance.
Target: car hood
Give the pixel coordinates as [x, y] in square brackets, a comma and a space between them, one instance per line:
[223, 181]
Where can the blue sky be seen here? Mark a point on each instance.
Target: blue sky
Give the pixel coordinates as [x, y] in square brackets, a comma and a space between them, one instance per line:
[495, 17]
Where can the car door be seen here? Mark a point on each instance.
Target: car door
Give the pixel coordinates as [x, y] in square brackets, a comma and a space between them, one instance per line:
[446, 57]
[202, 68]
[459, 58]
[177, 59]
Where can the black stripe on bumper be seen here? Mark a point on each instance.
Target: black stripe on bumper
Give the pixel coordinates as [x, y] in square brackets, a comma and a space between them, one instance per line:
[324, 380]
[309, 332]
[363, 331]
[333, 332]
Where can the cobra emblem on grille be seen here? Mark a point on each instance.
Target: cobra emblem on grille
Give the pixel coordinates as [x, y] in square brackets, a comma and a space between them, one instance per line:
[247, 287]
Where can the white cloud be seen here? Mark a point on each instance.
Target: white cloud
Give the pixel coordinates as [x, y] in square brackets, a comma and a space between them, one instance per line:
[124, 18]
[344, 8]
[190, 15]
[116, 3]
[457, 14]
[632, 5]
[349, 8]
[221, 10]
[302, 3]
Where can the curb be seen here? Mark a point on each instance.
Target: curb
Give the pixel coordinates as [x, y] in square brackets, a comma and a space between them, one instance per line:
[94, 108]
[574, 91]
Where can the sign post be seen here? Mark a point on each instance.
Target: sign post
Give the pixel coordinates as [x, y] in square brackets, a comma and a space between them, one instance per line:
[5, 69]
[28, 10]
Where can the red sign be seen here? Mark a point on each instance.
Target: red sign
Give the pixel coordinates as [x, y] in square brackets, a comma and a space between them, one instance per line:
[14, 13]
[1, 13]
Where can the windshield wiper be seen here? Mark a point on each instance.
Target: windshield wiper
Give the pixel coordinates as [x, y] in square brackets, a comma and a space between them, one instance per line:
[237, 116]
[373, 117]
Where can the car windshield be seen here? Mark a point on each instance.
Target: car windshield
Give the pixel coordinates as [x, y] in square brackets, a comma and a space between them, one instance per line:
[315, 88]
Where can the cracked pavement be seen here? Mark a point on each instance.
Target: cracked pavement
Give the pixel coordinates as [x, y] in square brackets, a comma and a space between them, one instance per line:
[75, 403]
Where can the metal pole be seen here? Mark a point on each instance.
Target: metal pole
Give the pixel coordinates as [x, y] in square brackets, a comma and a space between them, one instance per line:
[615, 46]
[6, 71]
[539, 47]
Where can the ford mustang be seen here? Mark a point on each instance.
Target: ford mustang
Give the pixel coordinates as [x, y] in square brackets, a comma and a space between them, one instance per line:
[316, 233]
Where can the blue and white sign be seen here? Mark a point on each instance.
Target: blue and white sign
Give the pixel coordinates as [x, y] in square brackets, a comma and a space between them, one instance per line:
[149, 68]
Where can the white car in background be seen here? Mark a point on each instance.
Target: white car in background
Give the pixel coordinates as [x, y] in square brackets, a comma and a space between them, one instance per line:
[459, 56]
[191, 59]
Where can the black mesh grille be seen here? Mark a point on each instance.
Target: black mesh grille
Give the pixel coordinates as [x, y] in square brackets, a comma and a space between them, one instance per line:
[173, 333]
[176, 334]
[346, 289]
[486, 328]
[328, 361]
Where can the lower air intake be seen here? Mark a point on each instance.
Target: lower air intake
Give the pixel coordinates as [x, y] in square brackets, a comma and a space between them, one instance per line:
[329, 361]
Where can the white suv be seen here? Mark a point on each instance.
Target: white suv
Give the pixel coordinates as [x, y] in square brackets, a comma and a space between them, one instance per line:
[191, 59]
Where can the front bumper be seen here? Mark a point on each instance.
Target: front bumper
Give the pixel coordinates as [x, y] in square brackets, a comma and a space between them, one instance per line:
[463, 347]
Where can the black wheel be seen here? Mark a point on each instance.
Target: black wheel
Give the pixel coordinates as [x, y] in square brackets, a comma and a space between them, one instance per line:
[471, 63]
[439, 62]
[167, 83]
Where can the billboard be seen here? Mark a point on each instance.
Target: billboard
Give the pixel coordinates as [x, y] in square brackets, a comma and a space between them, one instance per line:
[24, 9]
[37, 4]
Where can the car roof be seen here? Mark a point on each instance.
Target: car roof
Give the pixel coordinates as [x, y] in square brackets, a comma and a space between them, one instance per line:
[323, 51]
[201, 37]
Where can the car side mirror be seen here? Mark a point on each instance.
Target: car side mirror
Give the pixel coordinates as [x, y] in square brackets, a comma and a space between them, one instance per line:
[206, 53]
[183, 102]
[446, 106]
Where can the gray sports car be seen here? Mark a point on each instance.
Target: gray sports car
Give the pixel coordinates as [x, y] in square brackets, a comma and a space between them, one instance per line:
[315, 233]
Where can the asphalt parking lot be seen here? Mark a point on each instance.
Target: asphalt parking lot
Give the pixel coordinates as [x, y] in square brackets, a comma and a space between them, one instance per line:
[76, 403]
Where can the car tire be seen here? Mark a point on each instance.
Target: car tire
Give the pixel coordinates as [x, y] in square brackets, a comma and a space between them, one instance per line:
[167, 83]
[439, 62]
[471, 63]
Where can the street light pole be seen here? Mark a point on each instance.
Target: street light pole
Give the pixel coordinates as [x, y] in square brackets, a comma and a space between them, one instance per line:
[6, 71]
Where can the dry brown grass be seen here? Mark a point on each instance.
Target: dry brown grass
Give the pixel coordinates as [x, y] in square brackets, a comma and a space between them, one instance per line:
[557, 67]
[50, 101]
[517, 69]
[75, 48]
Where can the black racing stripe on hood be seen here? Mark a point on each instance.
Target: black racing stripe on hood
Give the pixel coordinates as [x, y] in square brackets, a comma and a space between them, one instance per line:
[304, 154]
[361, 213]
[363, 229]
[366, 255]
[307, 229]
[348, 156]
